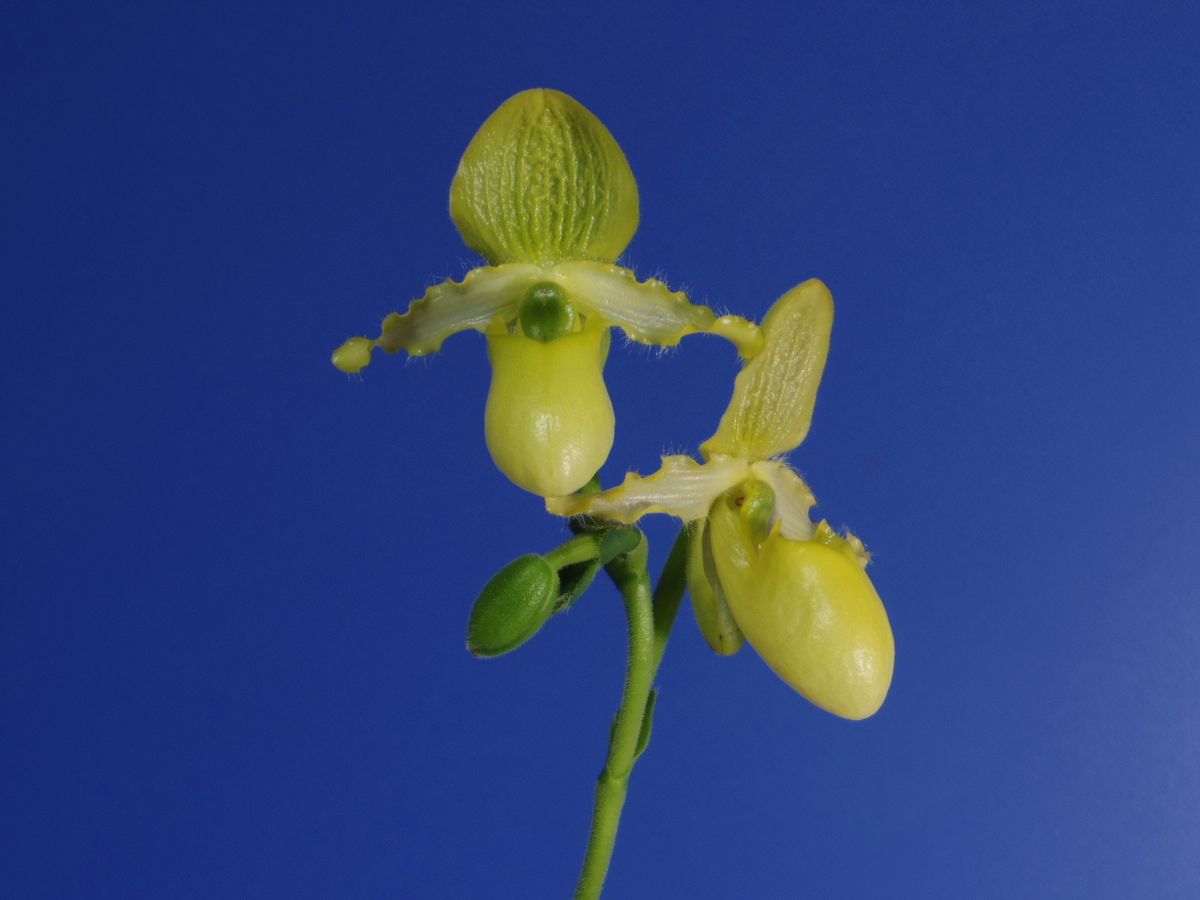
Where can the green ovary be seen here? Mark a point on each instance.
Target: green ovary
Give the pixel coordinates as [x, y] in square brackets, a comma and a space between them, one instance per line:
[549, 421]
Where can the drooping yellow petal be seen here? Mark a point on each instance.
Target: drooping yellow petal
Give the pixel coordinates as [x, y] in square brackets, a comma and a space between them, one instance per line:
[774, 394]
[708, 599]
[446, 309]
[809, 611]
[543, 180]
[649, 312]
[549, 421]
[681, 487]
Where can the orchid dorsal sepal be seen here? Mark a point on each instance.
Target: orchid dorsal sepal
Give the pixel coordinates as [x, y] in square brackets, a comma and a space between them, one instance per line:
[774, 394]
[544, 181]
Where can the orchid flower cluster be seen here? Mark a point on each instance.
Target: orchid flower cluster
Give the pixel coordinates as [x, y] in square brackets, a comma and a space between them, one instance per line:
[546, 196]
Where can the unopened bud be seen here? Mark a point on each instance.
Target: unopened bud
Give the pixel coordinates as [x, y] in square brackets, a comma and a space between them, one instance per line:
[512, 607]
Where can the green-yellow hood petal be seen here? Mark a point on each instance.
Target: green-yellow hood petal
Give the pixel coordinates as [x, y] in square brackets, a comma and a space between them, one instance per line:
[544, 181]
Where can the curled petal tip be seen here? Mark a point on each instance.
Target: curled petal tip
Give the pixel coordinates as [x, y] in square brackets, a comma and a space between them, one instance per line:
[354, 355]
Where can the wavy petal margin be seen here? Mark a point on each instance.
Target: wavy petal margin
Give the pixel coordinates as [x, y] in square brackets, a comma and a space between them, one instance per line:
[681, 487]
[648, 311]
[446, 309]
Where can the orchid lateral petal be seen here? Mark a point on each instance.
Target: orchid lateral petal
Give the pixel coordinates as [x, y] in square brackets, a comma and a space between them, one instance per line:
[774, 394]
[450, 307]
[542, 181]
[681, 487]
[446, 309]
[648, 312]
[793, 498]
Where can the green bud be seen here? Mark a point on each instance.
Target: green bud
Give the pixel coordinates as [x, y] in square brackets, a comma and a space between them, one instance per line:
[546, 313]
[512, 607]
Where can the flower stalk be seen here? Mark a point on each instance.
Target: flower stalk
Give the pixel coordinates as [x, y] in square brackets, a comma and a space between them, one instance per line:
[650, 617]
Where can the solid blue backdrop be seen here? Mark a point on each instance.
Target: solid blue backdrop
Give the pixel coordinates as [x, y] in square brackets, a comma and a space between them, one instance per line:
[237, 581]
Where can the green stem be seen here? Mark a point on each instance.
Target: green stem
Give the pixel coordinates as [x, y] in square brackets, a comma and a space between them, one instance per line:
[650, 617]
[579, 549]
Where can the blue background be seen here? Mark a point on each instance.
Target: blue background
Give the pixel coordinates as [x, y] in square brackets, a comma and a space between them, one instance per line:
[237, 581]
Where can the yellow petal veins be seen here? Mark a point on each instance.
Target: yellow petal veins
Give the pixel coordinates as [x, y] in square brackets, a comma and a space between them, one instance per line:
[681, 487]
[450, 307]
[447, 308]
[648, 312]
[543, 180]
[774, 394]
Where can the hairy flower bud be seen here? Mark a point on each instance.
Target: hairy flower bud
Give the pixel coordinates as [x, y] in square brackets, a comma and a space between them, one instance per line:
[513, 606]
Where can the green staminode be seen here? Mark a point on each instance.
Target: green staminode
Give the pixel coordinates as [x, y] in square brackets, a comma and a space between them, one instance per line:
[544, 181]
[545, 312]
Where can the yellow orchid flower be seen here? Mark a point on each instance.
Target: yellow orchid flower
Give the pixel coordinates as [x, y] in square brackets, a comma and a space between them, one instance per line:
[545, 194]
[758, 568]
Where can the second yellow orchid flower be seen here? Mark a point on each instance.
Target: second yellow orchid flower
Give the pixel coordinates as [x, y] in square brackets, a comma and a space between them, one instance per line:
[759, 568]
